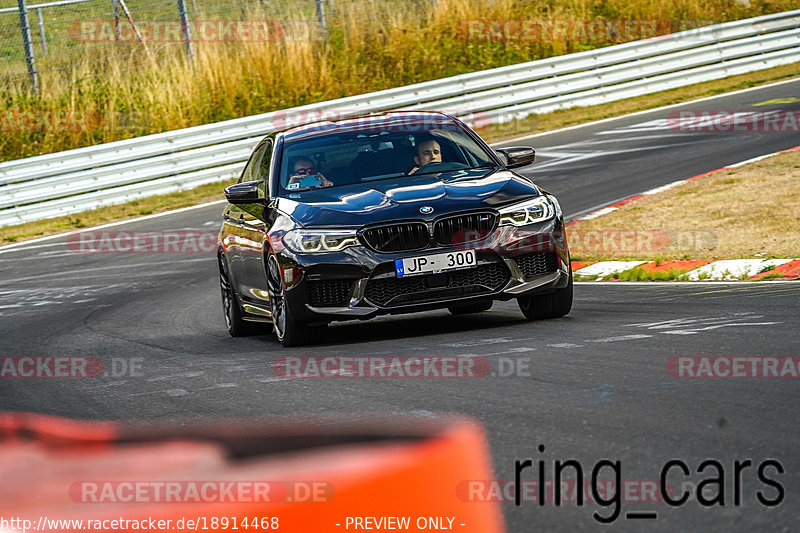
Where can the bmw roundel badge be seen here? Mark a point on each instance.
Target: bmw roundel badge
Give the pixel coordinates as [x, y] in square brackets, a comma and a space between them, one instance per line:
[426, 210]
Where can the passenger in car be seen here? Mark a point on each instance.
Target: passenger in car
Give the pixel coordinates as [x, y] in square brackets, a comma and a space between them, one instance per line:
[303, 167]
[428, 151]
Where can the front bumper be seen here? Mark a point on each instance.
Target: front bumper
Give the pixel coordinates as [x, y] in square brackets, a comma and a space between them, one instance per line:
[359, 283]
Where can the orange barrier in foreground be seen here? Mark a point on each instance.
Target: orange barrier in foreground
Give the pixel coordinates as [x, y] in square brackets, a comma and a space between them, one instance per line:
[308, 476]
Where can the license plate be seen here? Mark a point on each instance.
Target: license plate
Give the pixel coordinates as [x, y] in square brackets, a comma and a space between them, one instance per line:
[431, 264]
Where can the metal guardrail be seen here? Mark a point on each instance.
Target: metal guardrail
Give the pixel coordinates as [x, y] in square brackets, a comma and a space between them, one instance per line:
[68, 182]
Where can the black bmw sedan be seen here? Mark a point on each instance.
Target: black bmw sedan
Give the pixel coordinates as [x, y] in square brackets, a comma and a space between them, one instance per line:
[392, 213]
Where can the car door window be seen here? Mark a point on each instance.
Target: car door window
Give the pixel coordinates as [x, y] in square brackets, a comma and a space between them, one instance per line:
[263, 168]
[251, 171]
[266, 159]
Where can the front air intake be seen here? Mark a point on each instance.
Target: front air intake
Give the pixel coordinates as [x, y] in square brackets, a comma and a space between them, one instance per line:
[402, 237]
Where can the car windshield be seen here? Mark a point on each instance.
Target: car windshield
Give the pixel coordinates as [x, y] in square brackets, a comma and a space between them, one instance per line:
[342, 155]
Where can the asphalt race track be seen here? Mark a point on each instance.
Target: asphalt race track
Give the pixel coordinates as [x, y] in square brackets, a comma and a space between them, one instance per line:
[591, 386]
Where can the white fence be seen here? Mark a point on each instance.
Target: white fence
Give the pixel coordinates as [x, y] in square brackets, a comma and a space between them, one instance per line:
[69, 182]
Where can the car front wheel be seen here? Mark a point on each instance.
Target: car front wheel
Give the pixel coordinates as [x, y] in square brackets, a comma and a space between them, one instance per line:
[541, 306]
[288, 332]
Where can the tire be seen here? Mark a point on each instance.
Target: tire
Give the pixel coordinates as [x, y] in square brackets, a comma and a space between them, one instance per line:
[234, 320]
[478, 307]
[543, 306]
[288, 332]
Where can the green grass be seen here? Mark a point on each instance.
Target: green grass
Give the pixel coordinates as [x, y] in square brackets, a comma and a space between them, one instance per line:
[774, 275]
[673, 274]
[640, 274]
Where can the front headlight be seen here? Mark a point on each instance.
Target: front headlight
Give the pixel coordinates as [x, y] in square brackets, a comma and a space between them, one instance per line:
[539, 209]
[309, 241]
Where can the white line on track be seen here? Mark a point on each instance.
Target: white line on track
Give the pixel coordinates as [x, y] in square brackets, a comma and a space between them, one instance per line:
[98, 277]
[479, 342]
[692, 331]
[168, 392]
[182, 375]
[8, 247]
[696, 320]
[620, 338]
[112, 267]
[671, 106]
[116, 383]
[565, 345]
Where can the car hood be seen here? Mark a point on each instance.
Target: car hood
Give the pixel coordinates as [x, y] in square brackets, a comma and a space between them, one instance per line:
[401, 198]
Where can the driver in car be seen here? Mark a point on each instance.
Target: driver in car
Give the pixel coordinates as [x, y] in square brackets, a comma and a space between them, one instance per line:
[303, 168]
[428, 151]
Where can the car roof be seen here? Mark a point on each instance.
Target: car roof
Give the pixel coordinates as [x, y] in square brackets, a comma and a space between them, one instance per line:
[394, 122]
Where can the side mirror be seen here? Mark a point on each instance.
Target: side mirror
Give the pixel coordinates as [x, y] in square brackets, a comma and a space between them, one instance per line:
[244, 193]
[518, 156]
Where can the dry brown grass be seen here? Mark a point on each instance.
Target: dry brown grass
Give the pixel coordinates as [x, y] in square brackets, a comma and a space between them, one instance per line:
[747, 212]
[372, 45]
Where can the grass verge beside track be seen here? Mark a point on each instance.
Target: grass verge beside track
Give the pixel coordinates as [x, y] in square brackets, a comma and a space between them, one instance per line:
[749, 212]
[96, 217]
[534, 124]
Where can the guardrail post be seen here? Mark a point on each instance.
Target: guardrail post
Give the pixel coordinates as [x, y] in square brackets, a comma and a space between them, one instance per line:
[323, 24]
[185, 29]
[41, 30]
[115, 5]
[25, 26]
